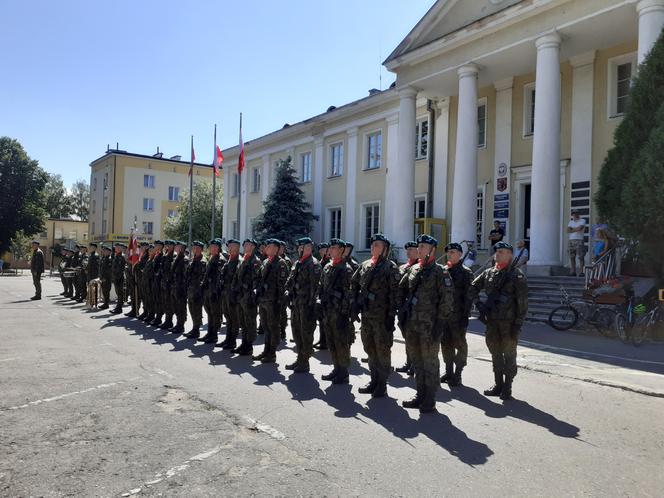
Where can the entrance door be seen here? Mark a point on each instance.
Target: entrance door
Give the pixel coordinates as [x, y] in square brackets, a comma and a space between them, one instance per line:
[526, 215]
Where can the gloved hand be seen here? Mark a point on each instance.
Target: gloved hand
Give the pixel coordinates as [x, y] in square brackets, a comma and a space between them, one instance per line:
[463, 322]
[389, 323]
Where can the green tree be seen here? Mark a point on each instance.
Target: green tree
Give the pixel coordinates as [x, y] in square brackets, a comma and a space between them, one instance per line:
[57, 200]
[177, 227]
[21, 246]
[631, 183]
[286, 213]
[22, 184]
[80, 199]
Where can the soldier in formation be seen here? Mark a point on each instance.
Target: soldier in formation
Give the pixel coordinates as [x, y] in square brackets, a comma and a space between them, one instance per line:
[411, 258]
[118, 274]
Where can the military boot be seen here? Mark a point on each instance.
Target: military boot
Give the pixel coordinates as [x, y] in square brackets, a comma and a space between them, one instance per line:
[131, 314]
[117, 310]
[455, 381]
[506, 392]
[103, 306]
[497, 388]
[403, 369]
[449, 373]
[269, 357]
[259, 357]
[370, 387]
[194, 333]
[414, 402]
[149, 318]
[178, 329]
[302, 367]
[209, 338]
[380, 391]
[230, 344]
[341, 377]
[332, 375]
[168, 323]
[157, 321]
[291, 366]
[428, 404]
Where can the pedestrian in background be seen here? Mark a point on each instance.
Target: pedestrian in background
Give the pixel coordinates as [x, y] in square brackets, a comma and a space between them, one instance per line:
[576, 249]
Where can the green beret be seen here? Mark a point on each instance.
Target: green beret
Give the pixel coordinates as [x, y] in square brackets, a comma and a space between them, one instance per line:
[251, 241]
[379, 237]
[427, 239]
[159, 242]
[503, 245]
[303, 241]
[169, 242]
[324, 245]
[337, 242]
[216, 242]
[272, 242]
[197, 243]
[232, 241]
[411, 244]
[454, 246]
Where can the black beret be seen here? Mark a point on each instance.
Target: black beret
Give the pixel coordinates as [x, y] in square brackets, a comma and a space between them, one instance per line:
[503, 245]
[232, 241]
[411, 244]
[169, 242]
[216, 242]
[379, 237]
[337, 242]
[324, 245]
[270, 242]
[159, 242]
[251, 241]
[144, 244]
[427, 239]
[302, 241]
[197, 243]
[453, 246]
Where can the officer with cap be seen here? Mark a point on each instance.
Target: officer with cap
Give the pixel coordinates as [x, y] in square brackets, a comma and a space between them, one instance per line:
[229, 296]
[245, 283]
[106, 274]
[36, 268]
[375, 289]
[411, 255]
[453, 342]
[429, 297]
[334, 297]
[155, 289]
[179, 286]
[323, 249]
[211, 288]
[117, 271]
[195, 274]
[503, 312]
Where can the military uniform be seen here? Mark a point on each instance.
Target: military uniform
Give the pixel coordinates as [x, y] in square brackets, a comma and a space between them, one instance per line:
[147, 278]
[302, 285]
[246, 281]
[37, 268]
[229, 299]
[179, 290]
[155, 288]
[138, 269]
[211, 294]
[283, 316]
[75, 280]
[129, 282]
[69, 281]
[195, 274]
[429, 298]
[375, 287]
[334, 295]
[408, 366]
[270, 297]
[106, 276]
[166, 293]
[117, 270]
[322, 341]
[92, 271]
[61, 270]
[82, 278]
[504, 319]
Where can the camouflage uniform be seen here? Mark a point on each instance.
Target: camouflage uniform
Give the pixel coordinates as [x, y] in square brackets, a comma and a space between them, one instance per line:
[322, 342]
[137, 298]
[230, 303]
[106, 276]
[430, 293]
[179, 291]
[211, 297]
[129, 282]
[195, 274]
[167, 291]
[408, 367]
[283, 312]
[504, 321]
[375, 289]
[335, 298]
[37, 268]
[117, 270]
[270, 297]
[453, 342]
[245, 282]
[155, 289]
[302, 285]
[147, 276]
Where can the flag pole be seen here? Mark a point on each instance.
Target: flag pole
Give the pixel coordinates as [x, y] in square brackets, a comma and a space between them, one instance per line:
[214, 179]
[239, 181]
[191, 189]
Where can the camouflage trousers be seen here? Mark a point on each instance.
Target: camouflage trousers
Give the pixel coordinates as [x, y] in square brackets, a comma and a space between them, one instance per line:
[146, 297]
[283, 318]
[179, 306]
[453, 343]
[213, 311]
[424, 345]
[247, 314]
[377, 342]
[270, 314]
[157, 301]
[167, 299]
[118, 285]
[338, 340]
[230, 312]
[105, 290]
[502, 345]
[303, 324]
[195, 302]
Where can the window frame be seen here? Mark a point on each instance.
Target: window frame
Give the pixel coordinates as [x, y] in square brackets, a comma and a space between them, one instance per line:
[235, 181]
[150, 204]
[148, 228]
[418, 138]
[256, 179]
[366, 241]
[528, 117]
[176, 189]
[329, 225]
[378, 132]
[173, 211]
[147, 182]
[612, 82]
[303, 178]
[418, 198]
[482, 102]
[480, 224]
[331, 170]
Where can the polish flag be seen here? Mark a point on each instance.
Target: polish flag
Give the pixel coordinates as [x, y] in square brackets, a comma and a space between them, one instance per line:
[218, 160]
[240, 161]
[193, 157]
[133, 248]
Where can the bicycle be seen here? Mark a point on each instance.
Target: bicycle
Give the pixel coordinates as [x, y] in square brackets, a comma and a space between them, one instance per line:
[570, 312]
[644, 323]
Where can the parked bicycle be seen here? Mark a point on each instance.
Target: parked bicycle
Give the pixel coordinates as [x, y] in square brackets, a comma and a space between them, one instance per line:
[644, 323]
[625, 319]
[573, 311]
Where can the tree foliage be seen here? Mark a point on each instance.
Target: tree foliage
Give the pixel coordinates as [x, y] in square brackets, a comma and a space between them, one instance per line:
[178, 227]
[57, 200]
[631, 183]
[80, 199]
[286, 212]
[22, 183]
[21, 245]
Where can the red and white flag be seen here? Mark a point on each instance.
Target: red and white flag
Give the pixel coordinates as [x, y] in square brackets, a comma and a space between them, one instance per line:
[218, 160]
[240, 161]
[193, 157]
[133, 248]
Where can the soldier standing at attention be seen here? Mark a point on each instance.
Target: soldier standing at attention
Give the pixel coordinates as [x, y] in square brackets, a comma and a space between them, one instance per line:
[323, 250]
[270, 295]
[36, 268]
[106, 275]
[69, 281]
[195, 274]
[82, 276]
[453, 343]
[137, 278]
[179, 287]
[166, 285]
[64, 255]
[93, 262]
[155, 289]
[117, 270]
[211, 296]
[229, 297]
[429, 298]
[129, 281]
[503, 312]
[334, 295]
[283, 317]
[301, 286]
[245, 283]
[411, 255]
[146, 286]
[348, 256]
[76, 267]
[375, 288]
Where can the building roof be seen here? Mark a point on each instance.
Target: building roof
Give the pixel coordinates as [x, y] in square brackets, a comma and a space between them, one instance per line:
[118, 152]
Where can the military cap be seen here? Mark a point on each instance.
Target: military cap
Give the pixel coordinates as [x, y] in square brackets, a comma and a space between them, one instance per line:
[169, 242]
[379, 237]
[453, 246]
[180, 243]
[103, 246]
[275, 242]
[303, 241]
[503, 245]
[232, 241]
[324, 245]
[144, 244]
[35, 242]
[197, 243]
[93, 244]
[411, 244]
[121, 244]
[427, 239]
[337, 242]
[251, 241]
[150, 246]
[216, 242]
[349, 244]
[159, 242]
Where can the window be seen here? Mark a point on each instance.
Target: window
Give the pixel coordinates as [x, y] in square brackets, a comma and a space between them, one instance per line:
[173, 193]
[481, 123]
[255, 180]
[94, 184]
[335, 223]
[148, 227]
[336, 159]
[621, 71]
[422, 139]
[103, 227]
[148, 204]
[371, 223]
[234, 230]
[148, 181]
[305, 167]
[420, 207]
[93, 228]
[479, 237]
[529, 110]
[73, 235]
[106, 181]
[236, 185]
[374, 150]
[94, 206]
[172, 213]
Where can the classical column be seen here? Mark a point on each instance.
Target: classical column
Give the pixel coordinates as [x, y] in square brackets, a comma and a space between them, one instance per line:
[503, 153]
[545, 228]
[464, 195]
[400, 178]
[391, 150]
[351, 178]
[318, 176]
[651, 23]
[440, 151]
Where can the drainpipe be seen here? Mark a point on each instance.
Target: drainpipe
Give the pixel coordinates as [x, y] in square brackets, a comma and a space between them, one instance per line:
[431, 108]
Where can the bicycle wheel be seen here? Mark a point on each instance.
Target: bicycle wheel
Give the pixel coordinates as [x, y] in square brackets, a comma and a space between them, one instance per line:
[563, 317]
[604, 320]
[639, 330]
[621, 325]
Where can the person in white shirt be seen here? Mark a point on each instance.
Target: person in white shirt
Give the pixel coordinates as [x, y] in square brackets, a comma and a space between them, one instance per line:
[521, 255]
[576, 229]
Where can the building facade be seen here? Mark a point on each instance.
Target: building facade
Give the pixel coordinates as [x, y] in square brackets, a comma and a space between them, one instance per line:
[128, 188]
[502, 110]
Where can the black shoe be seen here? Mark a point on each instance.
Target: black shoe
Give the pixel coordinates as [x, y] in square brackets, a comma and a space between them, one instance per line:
[497, 388]
[131, 314]
[193, 333]
[35, 298]
[302, 368]
[412, 403]
[79, 300]
[259, 331]
[103, 307]
[342, 377]
[142, 316]
[269, 358]
[167, 325]
[331, 375]
[455, 381]
[116, 311]
[209, 339]
[178, 329]
[369, 388]
[248, 350]
[506, 392]
[291, 366]
[427, 408]
[449, 373]
[156, 322]
[230, 345]
[259, 357]
[403, 369]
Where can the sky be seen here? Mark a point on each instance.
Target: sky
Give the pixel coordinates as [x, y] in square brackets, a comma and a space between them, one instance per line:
[80, 74]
